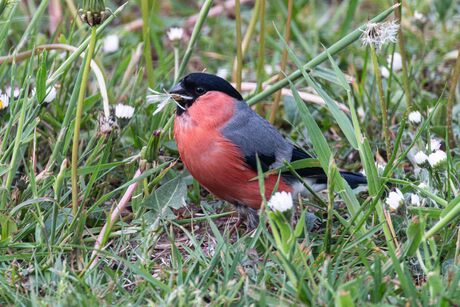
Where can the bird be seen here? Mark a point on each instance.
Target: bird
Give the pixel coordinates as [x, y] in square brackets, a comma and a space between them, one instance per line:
[220, 140]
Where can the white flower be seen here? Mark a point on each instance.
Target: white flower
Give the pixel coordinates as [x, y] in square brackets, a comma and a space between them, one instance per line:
[50, 95]
[397, 61]
[4, 101]
[281, 201]
[268, 69]
[385, 72]
[360, 112]
[415, 117]
[420, 158]
[111, 43]
[124, 111]
[380, 167]
[378, 34]
[16, 92]
[397, 65]
[395, 199]
[175, 34]
[415, 200]
[222, 72]
[435, 144]
[419, 17]
[423, 185]
[437, 158]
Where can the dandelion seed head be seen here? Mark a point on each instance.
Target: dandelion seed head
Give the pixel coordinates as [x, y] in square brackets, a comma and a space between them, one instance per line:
[162, 99]
[379, 34]
[107, 124]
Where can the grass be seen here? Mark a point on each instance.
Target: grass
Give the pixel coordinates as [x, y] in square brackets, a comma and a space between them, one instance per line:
[175, 244]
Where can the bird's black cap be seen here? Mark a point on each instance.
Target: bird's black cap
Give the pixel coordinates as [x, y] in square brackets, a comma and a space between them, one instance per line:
[197, 84]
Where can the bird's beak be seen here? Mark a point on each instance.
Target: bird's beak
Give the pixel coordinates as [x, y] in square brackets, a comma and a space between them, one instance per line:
[180, 94]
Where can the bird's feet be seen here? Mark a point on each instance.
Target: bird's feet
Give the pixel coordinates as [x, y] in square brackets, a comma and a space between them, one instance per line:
[248, 215]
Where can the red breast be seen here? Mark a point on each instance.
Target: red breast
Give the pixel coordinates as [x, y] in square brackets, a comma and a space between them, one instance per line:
[215, 162]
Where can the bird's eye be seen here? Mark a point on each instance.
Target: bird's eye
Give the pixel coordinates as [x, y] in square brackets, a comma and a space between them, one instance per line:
[200, 90]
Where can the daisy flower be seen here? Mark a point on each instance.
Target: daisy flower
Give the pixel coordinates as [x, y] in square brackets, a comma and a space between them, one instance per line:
[4, 101]
[415, 117]
[281, 201]
[396, 65]
[175, 34]
[435, 144]
[111, 43]
[16, 92]
[437, 158]
[395, 199]
[124, 111]
[415, 200]
[420, 158]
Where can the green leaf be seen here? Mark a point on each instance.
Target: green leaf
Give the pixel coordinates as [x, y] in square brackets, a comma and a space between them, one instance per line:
[338, 73]
[41, 79]
[300, 225]
[414, 236]
[172, 194]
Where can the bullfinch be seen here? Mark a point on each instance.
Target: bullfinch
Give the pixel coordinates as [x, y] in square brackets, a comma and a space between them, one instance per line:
[219, 137]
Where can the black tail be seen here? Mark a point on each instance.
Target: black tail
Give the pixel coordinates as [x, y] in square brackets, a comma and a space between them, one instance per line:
[354, 179]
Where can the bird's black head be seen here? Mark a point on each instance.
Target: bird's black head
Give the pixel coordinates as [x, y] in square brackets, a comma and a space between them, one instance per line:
[198, 84]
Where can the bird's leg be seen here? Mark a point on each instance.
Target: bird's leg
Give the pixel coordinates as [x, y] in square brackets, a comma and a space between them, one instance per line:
[247, 213]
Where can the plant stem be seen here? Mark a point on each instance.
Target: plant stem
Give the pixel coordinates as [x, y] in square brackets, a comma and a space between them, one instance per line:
[146, 38]
[103, 234]
[261, 51]
[450, 100]
[402, 50]
[287, 34]
[239, 47]
[383, 105]
[249, 33]
[176, 63]
[16, 155]
[193, 39]
[76, 135]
